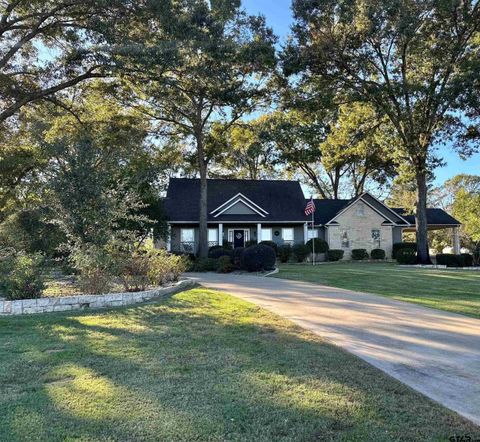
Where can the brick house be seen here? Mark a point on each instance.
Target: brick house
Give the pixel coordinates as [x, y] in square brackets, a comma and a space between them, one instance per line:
[242, 211]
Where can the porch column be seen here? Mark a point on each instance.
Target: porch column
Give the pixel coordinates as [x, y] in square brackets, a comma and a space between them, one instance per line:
[259, 232]
[305, 233]
[220, 234]
[456, 240]
[169, 238]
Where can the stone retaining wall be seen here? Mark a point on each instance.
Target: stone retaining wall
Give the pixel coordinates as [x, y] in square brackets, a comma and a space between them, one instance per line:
[79, 302]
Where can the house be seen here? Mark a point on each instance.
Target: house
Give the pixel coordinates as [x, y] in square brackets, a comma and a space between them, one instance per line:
[245, 211]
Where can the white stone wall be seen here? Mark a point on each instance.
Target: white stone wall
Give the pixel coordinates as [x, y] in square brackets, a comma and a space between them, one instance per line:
[66, 303]
[359, 230]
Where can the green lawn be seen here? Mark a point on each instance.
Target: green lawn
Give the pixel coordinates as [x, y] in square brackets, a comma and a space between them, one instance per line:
[199, 366]
[452, 290]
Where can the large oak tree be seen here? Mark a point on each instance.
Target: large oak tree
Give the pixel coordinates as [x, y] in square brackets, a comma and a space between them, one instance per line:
[219, 58]
[414, 61]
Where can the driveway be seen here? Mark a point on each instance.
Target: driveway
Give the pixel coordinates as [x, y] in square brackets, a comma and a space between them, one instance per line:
[434, 352]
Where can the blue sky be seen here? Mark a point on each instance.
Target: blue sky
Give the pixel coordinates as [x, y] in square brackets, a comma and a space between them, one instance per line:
[279, 18]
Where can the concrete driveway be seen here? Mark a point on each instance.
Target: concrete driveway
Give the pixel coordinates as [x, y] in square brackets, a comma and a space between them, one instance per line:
[434, 352]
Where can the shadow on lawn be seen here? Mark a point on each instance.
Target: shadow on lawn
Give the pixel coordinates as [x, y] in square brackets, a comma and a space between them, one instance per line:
[190, 368]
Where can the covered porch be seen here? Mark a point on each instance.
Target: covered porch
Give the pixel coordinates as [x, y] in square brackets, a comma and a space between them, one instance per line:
[184, 238]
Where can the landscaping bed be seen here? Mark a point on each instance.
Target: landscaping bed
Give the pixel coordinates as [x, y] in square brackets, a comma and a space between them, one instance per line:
[201, 365]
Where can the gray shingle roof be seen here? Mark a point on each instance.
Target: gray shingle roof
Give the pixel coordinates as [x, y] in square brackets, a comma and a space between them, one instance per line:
[434, 217]
[283, 200]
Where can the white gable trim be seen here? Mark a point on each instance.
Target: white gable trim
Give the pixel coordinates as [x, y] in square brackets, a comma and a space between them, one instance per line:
[239, 198]
[360, 198]
[384, 205]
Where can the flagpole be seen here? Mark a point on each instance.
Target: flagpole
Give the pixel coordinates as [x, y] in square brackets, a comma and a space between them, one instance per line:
[313, 239]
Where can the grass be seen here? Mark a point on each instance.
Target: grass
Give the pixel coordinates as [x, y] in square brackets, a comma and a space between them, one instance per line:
[451, 290]
[200, 366]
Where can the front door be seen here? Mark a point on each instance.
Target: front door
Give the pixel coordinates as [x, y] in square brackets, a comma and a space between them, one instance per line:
[238, 238]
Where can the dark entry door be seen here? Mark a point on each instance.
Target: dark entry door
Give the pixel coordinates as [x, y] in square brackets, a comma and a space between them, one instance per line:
[238, 238]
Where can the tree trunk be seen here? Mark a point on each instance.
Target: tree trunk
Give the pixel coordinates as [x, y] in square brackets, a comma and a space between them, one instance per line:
[203, 227]
[423, 255]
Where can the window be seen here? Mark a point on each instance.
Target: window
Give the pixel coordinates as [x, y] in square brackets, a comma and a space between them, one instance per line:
[345, 241]
[360, 209]
[266, 234]
[376, 237]
[212, 235]
[287, 234]
[187, 235]
[312, 233]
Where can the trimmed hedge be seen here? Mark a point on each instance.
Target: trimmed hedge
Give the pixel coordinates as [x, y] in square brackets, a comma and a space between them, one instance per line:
[451, 260]
[321, 246]
[359, 254]
[377, 254]
[301, 251]
[224, 265]
[403, 245]
[284, 252]
[270, 244]
[237, 256]
[217, 252]
[335, 254]
[205, 265]
[406, 256]
[258, 258]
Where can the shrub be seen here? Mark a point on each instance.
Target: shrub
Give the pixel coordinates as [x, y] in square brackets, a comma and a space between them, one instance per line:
[96, 268]
[258, 258]
[21, 276]
[164, 267]
[406, 256]
[270, 244]
[284, 252]
[451, 260]
[403, 245]
[300, 251]
[335, 254]
[476, 256]
[250, 243]
[205, 265]
[228, 245]
[133, 271]
[224, 265]
[359, 254]
[321, 246]
[214, 248]
[237, 256]
[218, 252]
[467, 259]
[377, 254]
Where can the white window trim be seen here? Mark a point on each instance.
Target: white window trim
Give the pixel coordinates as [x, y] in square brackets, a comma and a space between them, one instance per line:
[271, 234]
[182, 233]
[214, 230]
[293, 233]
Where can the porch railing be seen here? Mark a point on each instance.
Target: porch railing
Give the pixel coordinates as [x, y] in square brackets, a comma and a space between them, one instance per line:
[187, 247]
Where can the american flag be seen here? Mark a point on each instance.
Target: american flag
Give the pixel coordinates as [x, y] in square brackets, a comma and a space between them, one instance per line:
[310, 208]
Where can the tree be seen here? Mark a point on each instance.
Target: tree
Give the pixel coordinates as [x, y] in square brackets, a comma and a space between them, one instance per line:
[349, 144]
[465, 206]
[412, 61]
[47, 46]
[242, 151]
[221, 57]
[101, 150]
